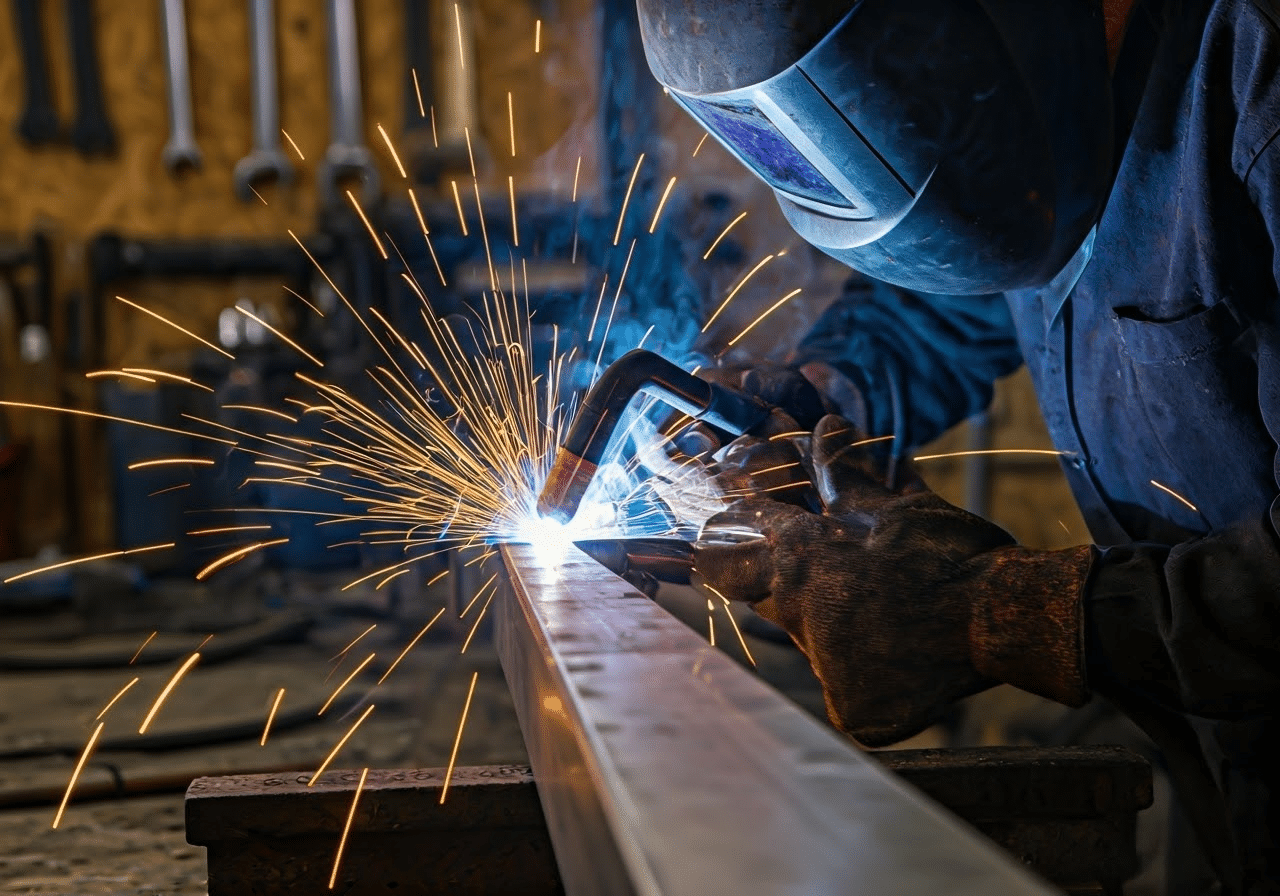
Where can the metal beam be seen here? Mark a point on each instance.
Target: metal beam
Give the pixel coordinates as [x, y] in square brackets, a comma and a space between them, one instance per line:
[663, 767]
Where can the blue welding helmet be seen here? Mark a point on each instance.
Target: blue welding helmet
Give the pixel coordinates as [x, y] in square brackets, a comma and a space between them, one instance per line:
[950, 146]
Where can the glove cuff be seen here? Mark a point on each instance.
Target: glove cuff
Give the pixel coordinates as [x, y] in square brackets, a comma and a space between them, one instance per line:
[1027, 625]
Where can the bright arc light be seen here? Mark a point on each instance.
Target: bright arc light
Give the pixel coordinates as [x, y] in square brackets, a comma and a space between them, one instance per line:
[549, 538]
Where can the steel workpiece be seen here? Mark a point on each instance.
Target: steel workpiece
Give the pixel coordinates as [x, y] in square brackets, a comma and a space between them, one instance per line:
[663, 767]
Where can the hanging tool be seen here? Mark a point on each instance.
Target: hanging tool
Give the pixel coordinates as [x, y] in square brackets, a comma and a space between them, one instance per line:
[638, 371]
[91, 131]
[346, 155]
[39, 123]
[265, 161]
[181, 150]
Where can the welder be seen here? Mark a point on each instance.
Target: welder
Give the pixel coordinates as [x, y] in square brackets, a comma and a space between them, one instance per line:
[1090, 187]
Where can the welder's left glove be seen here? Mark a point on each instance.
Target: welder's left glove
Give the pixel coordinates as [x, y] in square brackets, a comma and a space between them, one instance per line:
[901, 601]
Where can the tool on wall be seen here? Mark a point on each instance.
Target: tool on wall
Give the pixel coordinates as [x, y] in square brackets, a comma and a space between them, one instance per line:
[91, 131]
[346, 156]
[181, 151]
[38, 124]
[265, 161]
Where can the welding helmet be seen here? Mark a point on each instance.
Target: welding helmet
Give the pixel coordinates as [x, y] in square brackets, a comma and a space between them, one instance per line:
[950, 146]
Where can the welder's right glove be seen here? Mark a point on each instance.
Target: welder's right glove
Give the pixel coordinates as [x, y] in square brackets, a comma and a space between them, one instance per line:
[902, 602]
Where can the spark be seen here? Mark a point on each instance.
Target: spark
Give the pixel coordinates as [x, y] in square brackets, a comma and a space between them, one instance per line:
[511, 123]
[172, 488]
[537, 36]
[736, 289]
[411, 644]
[171, 461]
[732, 621]
[437, 577]
[577, 170]
[112, 702]
[76, 562]
[304, 300]
[266, 729]
[207, 639]
[1064, 527]
[182, 330]
[75, 775]
[724, 233]
[294, 145]
[462, 53]
[168, 689]
[339, 745]
[426, 235]
[711, 623]
[143, 646]
[354, 641]
[476, 626]
[462, 218]
[224, 530]
[698, 148]
[435, 138]
[235, 555]
[394, 575]
[772, 308]
[417, 91]
[122, 374]
[1165, 488]
[368, 226]
[166, 375]
[346, 829]
[255, 192]
[346, 681]
[653, 225]
[515, 224]
[635, 172]
[395, 157]
[1032, 451]
[457, 741]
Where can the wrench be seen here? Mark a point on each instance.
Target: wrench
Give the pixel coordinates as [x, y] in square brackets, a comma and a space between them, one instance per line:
[346, 155]
[39, 122]
[265, 161]
[181, 150]
[91, 132]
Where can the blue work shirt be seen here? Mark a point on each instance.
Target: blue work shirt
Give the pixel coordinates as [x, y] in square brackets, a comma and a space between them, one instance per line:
[1156, 359]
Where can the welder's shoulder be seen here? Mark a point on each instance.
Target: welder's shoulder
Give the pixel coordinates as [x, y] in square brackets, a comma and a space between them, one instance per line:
[1240, 54]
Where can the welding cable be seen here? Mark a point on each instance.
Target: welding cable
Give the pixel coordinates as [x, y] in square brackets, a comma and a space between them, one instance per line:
[103, 652]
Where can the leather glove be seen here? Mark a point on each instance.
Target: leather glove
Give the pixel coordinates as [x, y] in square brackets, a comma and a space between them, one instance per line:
[902, 602]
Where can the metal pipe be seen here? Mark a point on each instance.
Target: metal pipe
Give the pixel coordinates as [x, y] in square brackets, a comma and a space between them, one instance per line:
[638, 371]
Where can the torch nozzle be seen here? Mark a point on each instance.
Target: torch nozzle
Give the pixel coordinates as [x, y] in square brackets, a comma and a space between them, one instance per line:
[636, 372]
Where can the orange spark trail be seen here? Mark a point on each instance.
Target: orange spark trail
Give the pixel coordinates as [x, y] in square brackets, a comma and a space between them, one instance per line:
[728, 612]
[653, 225]
[165, 375]
[112, 702]
[462, 218]
[339, 745]
[724, 233]
[235, 555]
[303, 299]
[416, 639]
[109, 418]
[354, 641]
[736, 289]
[123, 374]
[225, 529]
[462, 53]
[476, 626]
[294, 145]
[417, 90]
[346, 681]
[394, 575]
[511, 123]
[537, 36]
[617, 234]
[772, 308]
[1165, 488]
[368, 226]
[184, 331]
[142, 647]
[1039, 451]
[168, 689]
[75, 775]
[250, 407]
[271, 717]
[698, 148]
[346, 829]
[167, 461]
[395, 157]
[79, 560]
[515, 226]
[458, 740]
[283, 338]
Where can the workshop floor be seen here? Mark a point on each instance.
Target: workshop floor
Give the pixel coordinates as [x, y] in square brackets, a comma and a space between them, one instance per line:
[123, 831]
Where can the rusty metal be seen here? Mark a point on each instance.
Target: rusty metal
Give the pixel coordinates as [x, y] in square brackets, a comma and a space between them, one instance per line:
[665, 768]
[272, 834]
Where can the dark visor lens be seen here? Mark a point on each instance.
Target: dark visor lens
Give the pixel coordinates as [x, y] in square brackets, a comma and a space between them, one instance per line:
[745, 128]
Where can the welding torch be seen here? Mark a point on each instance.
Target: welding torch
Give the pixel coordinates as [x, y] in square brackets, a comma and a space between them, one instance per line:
[638, 371]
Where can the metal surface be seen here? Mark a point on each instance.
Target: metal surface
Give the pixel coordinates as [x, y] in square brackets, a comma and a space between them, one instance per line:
[265, 161]
[181, 150]
[665, 768]
[347, 155]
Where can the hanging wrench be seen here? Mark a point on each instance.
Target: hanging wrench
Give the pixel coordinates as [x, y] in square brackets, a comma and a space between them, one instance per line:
[181, 150]
[39, 122]
[265, 161]
[347, 155]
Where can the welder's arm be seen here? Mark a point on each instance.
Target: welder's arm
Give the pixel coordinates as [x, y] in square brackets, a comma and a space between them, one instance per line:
[906, 365]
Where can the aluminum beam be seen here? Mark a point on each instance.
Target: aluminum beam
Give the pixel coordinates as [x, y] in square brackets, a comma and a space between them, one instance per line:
[663, 767]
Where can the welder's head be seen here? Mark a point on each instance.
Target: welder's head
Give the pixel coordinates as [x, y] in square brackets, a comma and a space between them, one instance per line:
[951, 146]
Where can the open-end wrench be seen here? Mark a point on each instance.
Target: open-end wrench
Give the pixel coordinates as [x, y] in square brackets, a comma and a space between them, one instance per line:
[39, 122]
[265, 161]
[181, 150]
[346, 155]
[91, 132]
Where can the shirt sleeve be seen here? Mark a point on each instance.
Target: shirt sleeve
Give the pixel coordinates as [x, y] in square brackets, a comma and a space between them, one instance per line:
[918, 363]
